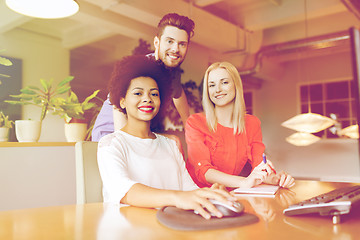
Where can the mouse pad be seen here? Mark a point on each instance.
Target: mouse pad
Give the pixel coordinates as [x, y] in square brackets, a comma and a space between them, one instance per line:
[180, 219]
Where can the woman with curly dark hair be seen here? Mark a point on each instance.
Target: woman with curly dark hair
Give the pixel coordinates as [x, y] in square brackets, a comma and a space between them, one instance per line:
[138, 166]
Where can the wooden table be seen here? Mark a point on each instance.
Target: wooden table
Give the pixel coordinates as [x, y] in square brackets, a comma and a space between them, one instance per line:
[111, 221]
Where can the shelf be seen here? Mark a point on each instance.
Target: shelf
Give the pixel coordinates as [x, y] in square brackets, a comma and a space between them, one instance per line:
[36, 144]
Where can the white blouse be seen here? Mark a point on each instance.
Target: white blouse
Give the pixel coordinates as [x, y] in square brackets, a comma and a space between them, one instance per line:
[124, 160]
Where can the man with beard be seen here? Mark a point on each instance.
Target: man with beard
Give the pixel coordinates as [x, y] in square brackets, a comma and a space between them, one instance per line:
[171, 45]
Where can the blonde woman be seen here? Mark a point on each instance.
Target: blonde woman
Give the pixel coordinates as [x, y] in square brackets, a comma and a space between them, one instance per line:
[224, 138]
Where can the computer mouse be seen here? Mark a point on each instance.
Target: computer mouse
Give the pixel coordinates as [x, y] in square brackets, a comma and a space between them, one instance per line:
[228, 211]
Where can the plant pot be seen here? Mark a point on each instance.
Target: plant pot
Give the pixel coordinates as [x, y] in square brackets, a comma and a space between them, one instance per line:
[4, 134]
[27, 130]
[75, 132]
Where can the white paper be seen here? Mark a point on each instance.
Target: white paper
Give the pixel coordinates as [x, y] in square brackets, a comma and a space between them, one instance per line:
[259, 189]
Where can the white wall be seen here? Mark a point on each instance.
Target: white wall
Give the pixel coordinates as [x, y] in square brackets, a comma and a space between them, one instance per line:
[94, 72]
[42, 57]
[275, 102]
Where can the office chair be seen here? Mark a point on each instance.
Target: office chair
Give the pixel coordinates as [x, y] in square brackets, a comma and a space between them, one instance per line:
[88, 180]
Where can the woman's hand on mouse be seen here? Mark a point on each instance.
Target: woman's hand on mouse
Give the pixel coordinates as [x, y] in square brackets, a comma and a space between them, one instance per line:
[198, 200]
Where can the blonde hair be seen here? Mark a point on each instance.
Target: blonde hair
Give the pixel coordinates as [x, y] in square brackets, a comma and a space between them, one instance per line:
[238, 114]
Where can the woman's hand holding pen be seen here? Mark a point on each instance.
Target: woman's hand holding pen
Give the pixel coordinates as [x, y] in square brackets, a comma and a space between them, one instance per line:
[285, 180]
[257, 176]
[265, 173]
[270, 169]
[279, 178]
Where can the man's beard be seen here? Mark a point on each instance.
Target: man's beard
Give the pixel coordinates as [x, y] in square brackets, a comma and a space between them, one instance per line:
[162, 64]
[163, 58]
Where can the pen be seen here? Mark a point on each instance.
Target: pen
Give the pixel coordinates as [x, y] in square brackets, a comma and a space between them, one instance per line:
[264, 160]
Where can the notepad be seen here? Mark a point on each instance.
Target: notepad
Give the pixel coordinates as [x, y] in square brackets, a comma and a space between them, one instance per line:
[262, 189]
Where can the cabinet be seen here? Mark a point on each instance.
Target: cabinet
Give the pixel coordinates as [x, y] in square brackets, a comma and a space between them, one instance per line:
[37, 174]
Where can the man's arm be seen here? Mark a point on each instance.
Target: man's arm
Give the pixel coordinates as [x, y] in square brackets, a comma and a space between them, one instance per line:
[182, 107]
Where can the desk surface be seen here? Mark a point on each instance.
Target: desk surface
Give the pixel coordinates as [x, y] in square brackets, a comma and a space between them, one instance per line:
[110, 221]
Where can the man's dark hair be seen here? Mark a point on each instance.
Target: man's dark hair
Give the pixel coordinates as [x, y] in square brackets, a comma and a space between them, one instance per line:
[176, 20]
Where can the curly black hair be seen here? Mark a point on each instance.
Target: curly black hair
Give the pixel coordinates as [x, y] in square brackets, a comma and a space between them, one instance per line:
[131, 67]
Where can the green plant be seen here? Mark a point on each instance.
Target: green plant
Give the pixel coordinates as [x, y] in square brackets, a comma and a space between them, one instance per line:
[4, 121]
[94, 113]
[70, 107]
[4, 62]
[44, 98]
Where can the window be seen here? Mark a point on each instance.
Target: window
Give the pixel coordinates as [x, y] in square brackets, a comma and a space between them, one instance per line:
[248, 102]
[330, 97]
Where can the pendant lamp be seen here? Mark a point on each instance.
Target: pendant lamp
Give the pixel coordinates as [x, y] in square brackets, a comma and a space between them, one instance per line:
[302, 139]
[44, 8]
[351, 131]
[308, 122]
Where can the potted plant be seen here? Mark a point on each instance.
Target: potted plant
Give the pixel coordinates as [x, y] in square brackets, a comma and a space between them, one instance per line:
[29, 130]
[73, 112]
[5, 125]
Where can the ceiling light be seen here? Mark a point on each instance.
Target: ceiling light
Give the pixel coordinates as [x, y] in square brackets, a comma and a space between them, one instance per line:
[302, 139]
[350, 131]
[44, 8]
[308, 122]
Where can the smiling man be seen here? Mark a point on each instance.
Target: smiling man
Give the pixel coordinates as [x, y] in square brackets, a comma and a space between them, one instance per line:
[171, 45]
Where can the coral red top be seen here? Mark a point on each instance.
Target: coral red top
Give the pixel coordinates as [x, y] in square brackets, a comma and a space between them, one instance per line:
[221, 150]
